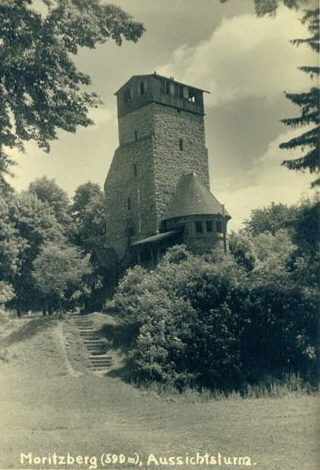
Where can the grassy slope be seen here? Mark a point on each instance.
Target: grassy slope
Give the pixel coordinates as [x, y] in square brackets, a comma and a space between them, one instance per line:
[47, 408]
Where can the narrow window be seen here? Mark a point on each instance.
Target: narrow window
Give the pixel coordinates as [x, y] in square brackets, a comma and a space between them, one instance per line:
[192, 96]
[142, 88]
[128, 95]
[135, 136]
[135, 169]
[129, 204]
[169, 88]
[184, 92]
[199, 228]
[180, 144]
[209, 226]
[219, 226]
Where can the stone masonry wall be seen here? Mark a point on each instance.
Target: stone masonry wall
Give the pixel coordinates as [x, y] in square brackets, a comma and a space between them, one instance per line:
[171, 162]
[140, 120]
[147, 167]
[130, 200]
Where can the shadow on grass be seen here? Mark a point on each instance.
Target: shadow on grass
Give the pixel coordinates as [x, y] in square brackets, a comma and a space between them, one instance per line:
[28, 330]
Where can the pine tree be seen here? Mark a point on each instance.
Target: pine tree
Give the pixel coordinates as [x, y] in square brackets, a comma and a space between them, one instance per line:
[309, 104]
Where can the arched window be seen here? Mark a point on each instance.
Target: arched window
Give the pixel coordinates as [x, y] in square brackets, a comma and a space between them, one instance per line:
[180, 144]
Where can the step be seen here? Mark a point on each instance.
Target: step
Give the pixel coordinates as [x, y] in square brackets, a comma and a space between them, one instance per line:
[93, 342]
[96, 351]
[79, 320]
[101, 364]
[89, 333]
[101, 357]
[91, 338]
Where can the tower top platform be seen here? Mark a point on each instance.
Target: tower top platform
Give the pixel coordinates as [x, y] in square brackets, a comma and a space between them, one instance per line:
[141, 90]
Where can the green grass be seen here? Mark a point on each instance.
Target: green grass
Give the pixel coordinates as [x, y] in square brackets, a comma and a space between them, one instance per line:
[46, 409]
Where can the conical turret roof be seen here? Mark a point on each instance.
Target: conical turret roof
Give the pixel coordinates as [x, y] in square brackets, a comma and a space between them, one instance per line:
[193, 198]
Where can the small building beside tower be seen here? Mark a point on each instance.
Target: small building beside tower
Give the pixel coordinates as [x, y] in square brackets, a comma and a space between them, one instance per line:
[157, 190]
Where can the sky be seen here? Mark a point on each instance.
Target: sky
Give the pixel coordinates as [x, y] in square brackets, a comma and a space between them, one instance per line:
[247, 63]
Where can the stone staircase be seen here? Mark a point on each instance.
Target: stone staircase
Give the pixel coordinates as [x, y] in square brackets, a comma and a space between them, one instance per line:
[97, 347]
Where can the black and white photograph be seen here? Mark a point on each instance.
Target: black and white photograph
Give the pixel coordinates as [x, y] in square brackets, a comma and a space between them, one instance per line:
[159, 234]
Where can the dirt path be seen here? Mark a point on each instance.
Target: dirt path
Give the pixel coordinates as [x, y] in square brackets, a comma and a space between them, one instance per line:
[48, 407]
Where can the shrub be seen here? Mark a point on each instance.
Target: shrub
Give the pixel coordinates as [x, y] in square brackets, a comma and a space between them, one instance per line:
[209, 322]
[184, 320]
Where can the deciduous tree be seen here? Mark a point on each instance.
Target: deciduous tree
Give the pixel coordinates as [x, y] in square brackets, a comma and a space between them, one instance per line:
[41, 89]
[48, 191]
[57, 269]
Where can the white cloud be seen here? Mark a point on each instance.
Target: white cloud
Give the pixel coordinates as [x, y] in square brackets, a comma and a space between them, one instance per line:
[73, 159]
[245, 56]
[268, 181]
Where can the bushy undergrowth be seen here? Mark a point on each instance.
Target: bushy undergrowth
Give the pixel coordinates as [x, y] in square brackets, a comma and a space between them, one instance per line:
[204, 322]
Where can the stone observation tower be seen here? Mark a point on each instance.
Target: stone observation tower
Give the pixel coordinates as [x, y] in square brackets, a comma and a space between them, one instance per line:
[157, 189]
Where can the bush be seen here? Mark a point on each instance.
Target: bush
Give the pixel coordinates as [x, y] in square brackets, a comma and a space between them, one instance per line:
[184, 320]
[210, 322]
[282, 334]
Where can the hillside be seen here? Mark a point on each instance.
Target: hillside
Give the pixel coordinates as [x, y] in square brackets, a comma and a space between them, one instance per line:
[53, 403]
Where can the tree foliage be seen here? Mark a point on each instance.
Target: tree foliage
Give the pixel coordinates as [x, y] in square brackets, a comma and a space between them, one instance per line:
[182, 320]
[57, 269]
[269, 7]
[270, 219]
[12, 244]
[41, 89]
[89, 216]
[309, 104]
[43, 218]
[89, 213]
[34, 224]
[48, 191]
